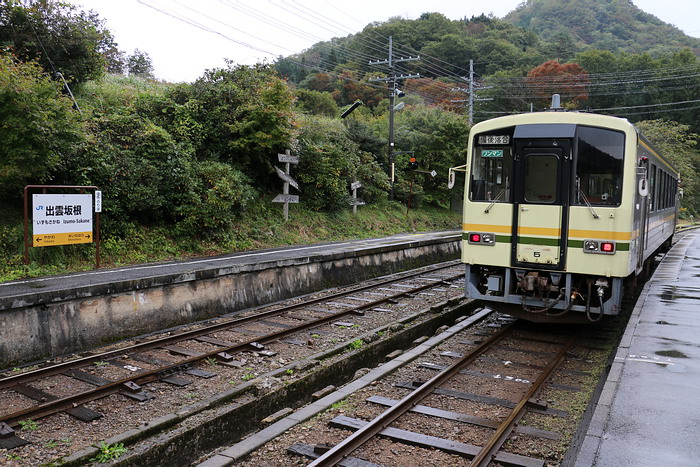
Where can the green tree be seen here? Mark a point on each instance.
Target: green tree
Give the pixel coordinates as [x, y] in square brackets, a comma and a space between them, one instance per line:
[316, 102]
[439, 140]
[139, 63]
[245, 113]
[59, 37]
[38, 127]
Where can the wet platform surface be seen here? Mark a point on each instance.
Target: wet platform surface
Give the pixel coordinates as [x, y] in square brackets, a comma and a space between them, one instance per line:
[649, 411]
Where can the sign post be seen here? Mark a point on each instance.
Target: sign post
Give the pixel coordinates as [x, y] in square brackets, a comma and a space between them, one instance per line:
[354, 200]
[62, 219]
[285, 197]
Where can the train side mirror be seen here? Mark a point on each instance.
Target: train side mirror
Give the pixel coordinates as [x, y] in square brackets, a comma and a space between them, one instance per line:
[451, 175]
[643, 187]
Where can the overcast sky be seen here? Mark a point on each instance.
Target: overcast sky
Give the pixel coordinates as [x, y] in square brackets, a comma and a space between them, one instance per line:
[186, 37]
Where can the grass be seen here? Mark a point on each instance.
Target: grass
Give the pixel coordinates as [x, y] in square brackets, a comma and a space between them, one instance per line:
[108, 452]
[259, 228]
[28, 425]
[356, 344]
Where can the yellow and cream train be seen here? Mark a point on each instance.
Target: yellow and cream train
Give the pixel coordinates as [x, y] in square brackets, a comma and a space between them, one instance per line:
[561, 212]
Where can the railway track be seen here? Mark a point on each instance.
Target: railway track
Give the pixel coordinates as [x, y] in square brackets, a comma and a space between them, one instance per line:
[483, 396]
[489, 451]
[69, 387]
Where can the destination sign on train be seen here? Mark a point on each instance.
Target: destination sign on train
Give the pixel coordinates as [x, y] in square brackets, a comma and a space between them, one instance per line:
[494, 139]
[492, 153]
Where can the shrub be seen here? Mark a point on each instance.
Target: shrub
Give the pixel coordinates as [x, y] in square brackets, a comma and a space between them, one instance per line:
[218, 193]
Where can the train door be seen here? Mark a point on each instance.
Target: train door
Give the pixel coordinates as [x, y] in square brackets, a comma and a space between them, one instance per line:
[642, 199]
[541, 200]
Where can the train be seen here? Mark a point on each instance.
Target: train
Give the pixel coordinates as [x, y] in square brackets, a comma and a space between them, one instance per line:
[563, 211]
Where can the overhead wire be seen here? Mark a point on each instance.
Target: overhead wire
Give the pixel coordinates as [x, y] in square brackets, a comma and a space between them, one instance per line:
[355, 49]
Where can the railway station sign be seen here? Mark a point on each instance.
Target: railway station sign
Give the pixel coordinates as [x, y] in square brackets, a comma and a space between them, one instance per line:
[356, 202]
[286, 177]
[61, 219]
[289, 159]
[286, 199]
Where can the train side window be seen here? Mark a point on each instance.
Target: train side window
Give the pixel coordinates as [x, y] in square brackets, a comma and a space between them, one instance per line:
[599, 166]
[662, 191]
[652, 187]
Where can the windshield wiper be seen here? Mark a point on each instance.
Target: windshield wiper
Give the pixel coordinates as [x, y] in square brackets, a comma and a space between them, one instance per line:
[588, 203]
[585, 199]
[500, 193]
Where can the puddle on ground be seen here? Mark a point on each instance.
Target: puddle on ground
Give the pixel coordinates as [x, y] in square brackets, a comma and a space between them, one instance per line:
[673, 294]
[677, 368]
[671, 353]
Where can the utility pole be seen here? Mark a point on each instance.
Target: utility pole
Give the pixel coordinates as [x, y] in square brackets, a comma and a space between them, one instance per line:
[393, 93]
[471, 98]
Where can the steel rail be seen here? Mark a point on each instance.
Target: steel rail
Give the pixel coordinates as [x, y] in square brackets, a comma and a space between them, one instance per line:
[104, 356]
[371, 429]
[57, 405]
[487, 452]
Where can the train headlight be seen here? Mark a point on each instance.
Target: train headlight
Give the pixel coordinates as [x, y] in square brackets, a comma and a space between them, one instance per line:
[604, 247]
[481, 238]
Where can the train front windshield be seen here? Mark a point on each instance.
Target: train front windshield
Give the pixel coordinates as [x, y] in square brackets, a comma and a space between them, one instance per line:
[597, 172]
[599, 166]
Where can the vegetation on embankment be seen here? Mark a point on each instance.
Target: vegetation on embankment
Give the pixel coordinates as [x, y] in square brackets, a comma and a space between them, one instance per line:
[259, 228]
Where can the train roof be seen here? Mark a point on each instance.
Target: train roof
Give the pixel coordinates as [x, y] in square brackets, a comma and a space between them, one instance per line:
[605, 121]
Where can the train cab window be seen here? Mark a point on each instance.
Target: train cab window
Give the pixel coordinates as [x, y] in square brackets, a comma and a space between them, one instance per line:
[492, 168]
[541, 178]
[599, 166]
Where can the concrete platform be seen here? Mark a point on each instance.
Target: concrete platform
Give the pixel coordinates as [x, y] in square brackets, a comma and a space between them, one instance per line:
[649, 411]
[48, 316]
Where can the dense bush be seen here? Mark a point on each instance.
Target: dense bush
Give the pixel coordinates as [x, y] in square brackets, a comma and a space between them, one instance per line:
[246, 118]
[144, 174]
[329, 162]
[218, 193]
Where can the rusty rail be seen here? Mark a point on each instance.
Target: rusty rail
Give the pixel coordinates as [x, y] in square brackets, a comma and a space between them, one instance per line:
[57, 405]
[357, 439]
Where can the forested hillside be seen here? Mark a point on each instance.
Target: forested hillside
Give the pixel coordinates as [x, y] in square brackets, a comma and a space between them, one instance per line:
[191, 166]
[630, 62]
[614, 25]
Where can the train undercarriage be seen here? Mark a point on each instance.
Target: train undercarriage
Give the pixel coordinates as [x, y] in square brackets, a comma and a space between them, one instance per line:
[545, 295]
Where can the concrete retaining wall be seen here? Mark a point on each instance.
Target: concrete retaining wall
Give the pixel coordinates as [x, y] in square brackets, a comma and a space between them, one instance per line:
[47, 324]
